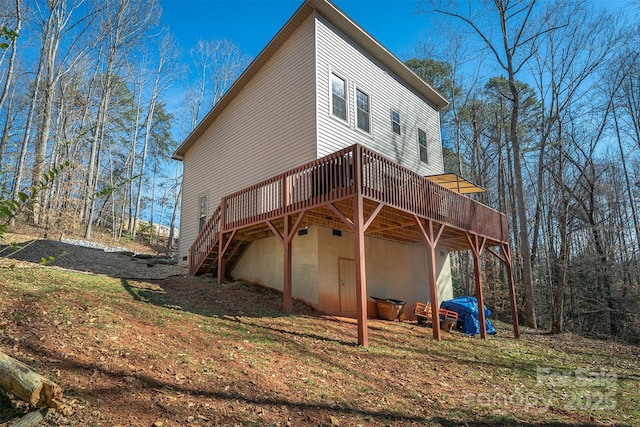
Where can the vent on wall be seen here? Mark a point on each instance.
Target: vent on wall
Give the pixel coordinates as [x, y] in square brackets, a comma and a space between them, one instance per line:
[303, 231]
[184, 258]
[337, 232]
[442, 253]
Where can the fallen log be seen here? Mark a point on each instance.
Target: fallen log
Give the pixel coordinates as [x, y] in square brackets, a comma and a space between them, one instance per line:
[31, 419]
[26, 384]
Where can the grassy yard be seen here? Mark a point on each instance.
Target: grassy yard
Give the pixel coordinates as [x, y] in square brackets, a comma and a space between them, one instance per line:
[185, 351]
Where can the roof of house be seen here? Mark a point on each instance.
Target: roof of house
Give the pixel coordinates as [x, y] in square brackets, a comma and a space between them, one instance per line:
[342, 22]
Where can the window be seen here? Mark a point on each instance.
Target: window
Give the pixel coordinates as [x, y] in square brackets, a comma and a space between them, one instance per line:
[422, 146]
[204, 209]
[362, 108]
[338, 97]
[395, 122]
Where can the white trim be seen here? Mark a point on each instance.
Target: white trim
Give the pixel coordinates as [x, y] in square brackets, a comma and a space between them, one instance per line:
[342, 22]
[346, 96]
[426, 146]
[393, 122]
[357, 89]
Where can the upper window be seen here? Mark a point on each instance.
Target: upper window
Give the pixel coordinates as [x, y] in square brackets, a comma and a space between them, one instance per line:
[338, 97]
[422, 146]
[395, 122]
[363, 108]
[204, 209]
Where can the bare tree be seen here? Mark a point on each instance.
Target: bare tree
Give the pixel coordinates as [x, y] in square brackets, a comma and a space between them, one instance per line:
[124, 24]
[56, 21]
[217, 63]
[165, 74]
[519, 30]
[566, 66]
[176, 206]
[7, 87]
[13, 49]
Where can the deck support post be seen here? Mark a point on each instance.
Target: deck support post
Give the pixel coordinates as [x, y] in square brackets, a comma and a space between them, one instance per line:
[477, 246]
[431, 237]
[505, 257]
[221, 260]
[433, 289]
[286, 288]
[359, 228]
[221, 245]
[286, 238]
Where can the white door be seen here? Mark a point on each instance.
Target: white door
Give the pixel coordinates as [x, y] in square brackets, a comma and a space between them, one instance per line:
[347, 274]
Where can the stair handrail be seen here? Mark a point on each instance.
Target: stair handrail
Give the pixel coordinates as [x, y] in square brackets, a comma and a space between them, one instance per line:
[205, 241]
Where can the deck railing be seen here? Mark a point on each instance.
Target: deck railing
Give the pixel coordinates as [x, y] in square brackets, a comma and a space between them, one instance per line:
[397, 186]
[324, 180]
[331, 178]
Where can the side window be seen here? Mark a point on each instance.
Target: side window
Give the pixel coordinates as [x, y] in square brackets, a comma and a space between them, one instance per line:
[203, 211]
[363, 110]
[395, 122]
[338, 97]
[422, 146]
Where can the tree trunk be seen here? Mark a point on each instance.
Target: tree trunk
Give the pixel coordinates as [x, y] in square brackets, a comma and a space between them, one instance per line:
[176, 205]
[4, 138]
[46, 112]
[557, 311]
[33, 418]
[21, 381]
[12, 58]
[162, 207]
[604, 272]
[136, 211]
[27, 132]
[527, 276]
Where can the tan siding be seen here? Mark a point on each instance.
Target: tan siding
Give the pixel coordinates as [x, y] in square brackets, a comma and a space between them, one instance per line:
[335, 52]
[268, 128]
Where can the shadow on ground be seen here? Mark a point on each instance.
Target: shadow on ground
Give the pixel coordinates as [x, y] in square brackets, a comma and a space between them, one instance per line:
[203, 296]
[300, 413]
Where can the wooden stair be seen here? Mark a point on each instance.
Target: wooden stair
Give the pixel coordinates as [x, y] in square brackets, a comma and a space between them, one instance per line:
[236, 251]
[203, 255]
[232, 257]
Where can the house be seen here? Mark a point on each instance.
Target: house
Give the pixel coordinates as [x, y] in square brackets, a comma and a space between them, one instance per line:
[326, 136]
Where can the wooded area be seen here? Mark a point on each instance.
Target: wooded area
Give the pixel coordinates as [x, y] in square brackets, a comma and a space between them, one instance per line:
[86, 82]
[544, 113]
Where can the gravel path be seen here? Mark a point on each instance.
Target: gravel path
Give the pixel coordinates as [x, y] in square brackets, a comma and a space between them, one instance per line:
[94, 245]
[92, 258]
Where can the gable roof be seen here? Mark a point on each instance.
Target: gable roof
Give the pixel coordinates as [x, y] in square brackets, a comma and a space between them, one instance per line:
[343, 23]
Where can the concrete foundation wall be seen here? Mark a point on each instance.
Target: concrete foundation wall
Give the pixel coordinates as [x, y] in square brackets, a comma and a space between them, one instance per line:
[263, 263]
[394, 270]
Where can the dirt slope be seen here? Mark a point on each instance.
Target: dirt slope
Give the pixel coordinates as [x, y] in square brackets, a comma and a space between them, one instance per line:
[178, 351]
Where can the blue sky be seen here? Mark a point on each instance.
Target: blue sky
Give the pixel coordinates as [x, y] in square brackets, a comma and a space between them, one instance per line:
[251, 24]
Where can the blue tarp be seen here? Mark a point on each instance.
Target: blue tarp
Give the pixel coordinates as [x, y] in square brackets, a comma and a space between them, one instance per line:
[467, 309]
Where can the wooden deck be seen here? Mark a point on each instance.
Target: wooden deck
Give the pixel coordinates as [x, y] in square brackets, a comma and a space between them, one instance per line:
[338, 190]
